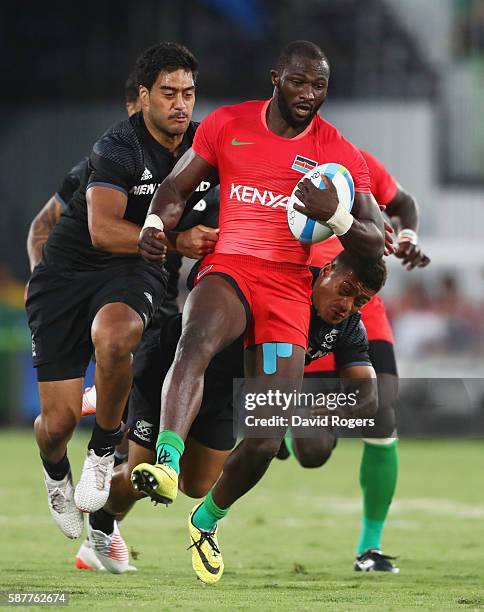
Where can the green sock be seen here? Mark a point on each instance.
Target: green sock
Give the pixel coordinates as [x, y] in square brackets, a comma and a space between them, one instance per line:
[169, 449]
[289, 444]
[208, 513]
[378, 479]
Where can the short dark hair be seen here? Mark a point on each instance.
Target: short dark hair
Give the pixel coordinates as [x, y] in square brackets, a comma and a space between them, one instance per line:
[131, 89]
[164, 57]
[302, 48]
[371, 272]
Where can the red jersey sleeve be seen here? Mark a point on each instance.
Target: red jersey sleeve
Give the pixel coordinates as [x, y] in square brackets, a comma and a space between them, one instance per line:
[205, 142]
[383, 186]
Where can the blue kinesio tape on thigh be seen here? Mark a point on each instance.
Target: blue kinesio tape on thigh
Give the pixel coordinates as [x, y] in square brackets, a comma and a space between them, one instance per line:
[284, 349]
[269, 352]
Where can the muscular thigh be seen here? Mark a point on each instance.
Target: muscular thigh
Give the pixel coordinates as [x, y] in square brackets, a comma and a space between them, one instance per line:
[214, 315]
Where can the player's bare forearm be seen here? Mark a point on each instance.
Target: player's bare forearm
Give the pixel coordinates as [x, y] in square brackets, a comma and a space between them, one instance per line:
[171, 196]
[117, 236]
[40, 229]
[404, 209]
[366, 236]
[361, 380]
[109, 230]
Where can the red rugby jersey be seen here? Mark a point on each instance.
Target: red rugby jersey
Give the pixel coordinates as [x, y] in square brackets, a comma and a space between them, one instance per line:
[258, 171]
[383, 187]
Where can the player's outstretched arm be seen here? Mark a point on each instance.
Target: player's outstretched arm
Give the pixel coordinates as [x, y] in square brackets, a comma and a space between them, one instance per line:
[40, 229]
[169, 202]
[404, 213]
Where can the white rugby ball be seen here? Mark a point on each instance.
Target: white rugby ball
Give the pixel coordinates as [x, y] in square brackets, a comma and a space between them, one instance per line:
[307, 230]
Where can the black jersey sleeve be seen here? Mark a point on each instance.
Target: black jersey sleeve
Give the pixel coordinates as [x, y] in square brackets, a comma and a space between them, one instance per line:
[352, 346]
[117, 159]
[71, 181]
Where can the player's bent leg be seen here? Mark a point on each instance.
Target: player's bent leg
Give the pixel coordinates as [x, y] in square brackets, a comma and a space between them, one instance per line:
[313, 452]
[245, 466]
[116, 332]
[213, 318]
[200, 468]
[60, 413]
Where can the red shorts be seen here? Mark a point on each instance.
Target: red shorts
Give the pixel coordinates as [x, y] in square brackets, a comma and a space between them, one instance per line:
[276, 294]
[375, 320]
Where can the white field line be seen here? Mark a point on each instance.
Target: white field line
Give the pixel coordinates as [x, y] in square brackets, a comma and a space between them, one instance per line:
[330, 508]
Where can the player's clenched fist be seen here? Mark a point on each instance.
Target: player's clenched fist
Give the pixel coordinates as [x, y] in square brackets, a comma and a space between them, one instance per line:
[151, 245]
[319, 204]
[197, 241]
[411, 255]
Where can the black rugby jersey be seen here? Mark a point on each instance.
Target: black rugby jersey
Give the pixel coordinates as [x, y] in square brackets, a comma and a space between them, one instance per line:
[127, 158]
[70, 183]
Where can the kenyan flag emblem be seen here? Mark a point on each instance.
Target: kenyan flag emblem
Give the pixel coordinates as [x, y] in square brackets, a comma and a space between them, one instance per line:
[303, 164]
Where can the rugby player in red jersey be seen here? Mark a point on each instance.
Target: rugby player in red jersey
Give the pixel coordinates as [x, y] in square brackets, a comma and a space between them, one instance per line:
[257, 281]
[379, 465]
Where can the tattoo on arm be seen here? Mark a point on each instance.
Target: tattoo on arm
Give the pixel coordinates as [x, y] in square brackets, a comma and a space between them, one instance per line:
[40, 229]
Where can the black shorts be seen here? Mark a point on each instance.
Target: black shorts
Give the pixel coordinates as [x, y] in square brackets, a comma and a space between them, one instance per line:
[62, 304]
[214, 425]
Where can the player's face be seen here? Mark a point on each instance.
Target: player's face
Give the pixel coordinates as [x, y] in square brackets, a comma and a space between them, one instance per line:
[169, 103]
[337, 294]
[300, 89]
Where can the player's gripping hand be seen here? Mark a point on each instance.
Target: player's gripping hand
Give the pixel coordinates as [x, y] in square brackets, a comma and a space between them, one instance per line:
[411, 255]
[151, 245]
[197, 242]
[389, 246]
[319, 204]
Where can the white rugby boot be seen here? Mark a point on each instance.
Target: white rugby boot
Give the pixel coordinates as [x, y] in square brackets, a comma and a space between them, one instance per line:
[92, 490]
[60, 496]
[111, 550]
[86, 558]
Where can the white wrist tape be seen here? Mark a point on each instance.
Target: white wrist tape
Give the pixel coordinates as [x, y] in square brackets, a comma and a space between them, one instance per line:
[153, 220]
[341, 221]
[407, 235]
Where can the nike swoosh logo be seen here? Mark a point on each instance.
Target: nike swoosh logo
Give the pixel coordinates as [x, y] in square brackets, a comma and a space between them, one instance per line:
[238, 143]
[206, 564]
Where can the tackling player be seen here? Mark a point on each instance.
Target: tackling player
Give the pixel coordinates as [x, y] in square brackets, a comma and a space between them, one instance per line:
[92, 290]
[347, 283]
[257, 281]
[379, 464]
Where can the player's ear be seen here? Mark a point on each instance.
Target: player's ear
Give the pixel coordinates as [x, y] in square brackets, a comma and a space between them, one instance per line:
[275, 78]
[144, 96]
[325, 270]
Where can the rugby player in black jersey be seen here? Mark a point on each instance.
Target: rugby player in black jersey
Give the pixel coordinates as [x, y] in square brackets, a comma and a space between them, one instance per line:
[92, 291]
[343, 285]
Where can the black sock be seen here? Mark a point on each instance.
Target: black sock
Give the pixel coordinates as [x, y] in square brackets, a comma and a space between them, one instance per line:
[102, 521]
[103, 441]
[57, 471]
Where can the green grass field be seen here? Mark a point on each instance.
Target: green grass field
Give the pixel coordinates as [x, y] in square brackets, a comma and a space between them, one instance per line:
[288, 545]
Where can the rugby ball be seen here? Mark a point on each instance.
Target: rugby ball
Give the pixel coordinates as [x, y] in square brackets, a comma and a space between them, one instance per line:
[307, 230]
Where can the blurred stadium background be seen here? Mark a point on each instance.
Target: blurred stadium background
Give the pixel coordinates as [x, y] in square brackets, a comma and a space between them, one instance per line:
[407, 84]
